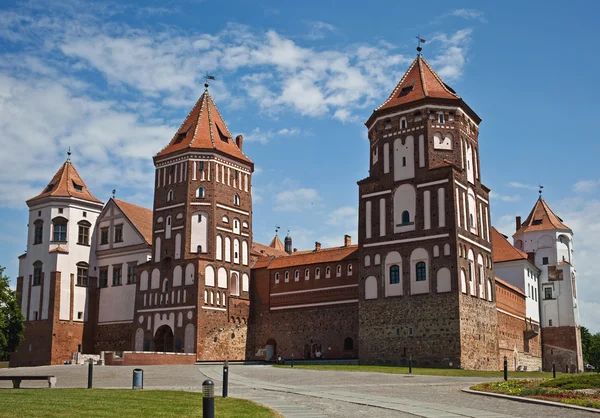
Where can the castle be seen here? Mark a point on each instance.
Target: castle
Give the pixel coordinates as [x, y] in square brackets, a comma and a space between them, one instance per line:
[430, 279]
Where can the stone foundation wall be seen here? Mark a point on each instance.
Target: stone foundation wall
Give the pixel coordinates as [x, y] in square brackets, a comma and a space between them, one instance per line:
[133, 358]
[479, 333]
[385, 325]
[113, 337]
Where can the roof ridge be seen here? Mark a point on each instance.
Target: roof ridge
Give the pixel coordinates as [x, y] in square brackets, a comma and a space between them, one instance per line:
[325, 249]
[423, 86]
[203, 98]
[180, 126]
[226, 127]
[438, 78]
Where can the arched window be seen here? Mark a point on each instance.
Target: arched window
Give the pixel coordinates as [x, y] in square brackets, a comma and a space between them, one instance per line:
[60, 229]
[236, 226]
[317, 273]
[236, 200]
[37, 273]
[349, 270]
[200, 193]
[276, 277]
[348, 344]
[234, 284]
[287, 276]
[327, 272]
[218, 298]
[441, 117]
[405, 218]
[225, 219]
[367, 261]
[170, 195]
[394, 274]
[421, 271]
[297, 275]
[338, 271]
[38, 231]
[168, 228]
[377, 259]
[463, 281]
[165, 288]
[307, 274]
[371, 288]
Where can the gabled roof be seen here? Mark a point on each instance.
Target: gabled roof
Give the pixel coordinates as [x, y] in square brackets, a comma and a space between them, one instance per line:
[504, 250]
[262, 250]
[326, 255]
[140, 218]
[277, 244]
[204, 129]
[541, 218]
[66, 183]
[419, 82]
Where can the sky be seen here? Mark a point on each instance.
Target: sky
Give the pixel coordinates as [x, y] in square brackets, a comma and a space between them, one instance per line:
[114, 80]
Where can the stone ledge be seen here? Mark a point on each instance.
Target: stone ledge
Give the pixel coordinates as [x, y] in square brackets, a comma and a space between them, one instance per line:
[531, 400]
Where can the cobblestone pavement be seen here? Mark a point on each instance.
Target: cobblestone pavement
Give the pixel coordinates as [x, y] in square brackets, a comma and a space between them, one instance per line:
[310, 393]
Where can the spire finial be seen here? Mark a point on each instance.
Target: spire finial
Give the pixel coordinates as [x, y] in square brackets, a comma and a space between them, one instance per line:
[206, 78]
[69, 154]
[419, 42]
[114, 192]
[540, 190]
[277, 228]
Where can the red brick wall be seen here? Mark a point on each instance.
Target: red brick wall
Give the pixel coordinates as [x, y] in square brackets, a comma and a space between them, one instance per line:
[114, 337]
[563, 346]
[147, 359]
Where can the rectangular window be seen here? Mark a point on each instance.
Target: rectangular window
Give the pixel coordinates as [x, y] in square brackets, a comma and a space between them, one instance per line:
[550, 322]
[80, 315]
[201, 166]
[82, 276]
[60, 232]
[117, 272]
[235, 174]
[85, 214]
[60, 210]
[544, 260]
[35, 315]
[103, 236]
[547, 293]
[131, 278]
[119, 233]
[103, 277]
[84, 235]
[37, 276]
[38, 233]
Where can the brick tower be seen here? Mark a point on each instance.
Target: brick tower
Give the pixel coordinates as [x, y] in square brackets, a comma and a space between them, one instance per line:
[427, 279]
[53, 274]
[193, 296]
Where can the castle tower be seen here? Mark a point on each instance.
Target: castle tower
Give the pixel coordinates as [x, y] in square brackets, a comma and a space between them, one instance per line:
[426, 271]
[53, 273]
[549, 244]
[193, 296]
[288, 243]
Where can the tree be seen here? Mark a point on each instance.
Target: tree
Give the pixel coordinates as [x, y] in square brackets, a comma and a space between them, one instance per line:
[11, 319]
[586, 341]
[594, 352]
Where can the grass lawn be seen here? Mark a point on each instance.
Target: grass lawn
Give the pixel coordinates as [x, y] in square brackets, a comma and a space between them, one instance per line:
[420, 370]
[119, 403]
[580, 389]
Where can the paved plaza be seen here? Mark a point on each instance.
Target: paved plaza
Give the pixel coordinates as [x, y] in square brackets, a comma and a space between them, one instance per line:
[310, 393]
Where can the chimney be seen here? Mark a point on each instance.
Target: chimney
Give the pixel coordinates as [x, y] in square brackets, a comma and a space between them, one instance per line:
[239, 140]
[531, 258]
[317, 246]
[347, 240]
[518, 222]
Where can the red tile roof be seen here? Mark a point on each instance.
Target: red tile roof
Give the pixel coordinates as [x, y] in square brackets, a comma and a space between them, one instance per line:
[277, 244]
[326, 255]
[60, 250]
[204, 129]
[66, 183]
[504, 250]
[263, 250]
[140, 217]
[541, 218]
[510, 286]
[424, 83]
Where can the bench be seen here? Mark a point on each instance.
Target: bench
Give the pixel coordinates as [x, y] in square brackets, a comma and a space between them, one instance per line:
[17, 380]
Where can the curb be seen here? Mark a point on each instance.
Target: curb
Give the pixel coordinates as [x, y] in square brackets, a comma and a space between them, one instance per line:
[531, 400]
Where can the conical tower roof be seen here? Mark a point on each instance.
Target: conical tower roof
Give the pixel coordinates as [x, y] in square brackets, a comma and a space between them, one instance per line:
[277, 244]
[204, 129]
[66, 183]
[541, 218]
[421, 82]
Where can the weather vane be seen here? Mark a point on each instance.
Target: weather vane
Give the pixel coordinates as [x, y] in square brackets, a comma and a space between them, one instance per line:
[69, 154]
[420, 41]
[277, 228]
[206, 78]
[540, 191]
[114, 192]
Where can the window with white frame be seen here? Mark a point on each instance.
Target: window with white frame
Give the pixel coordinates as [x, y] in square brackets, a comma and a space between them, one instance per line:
[307, 274]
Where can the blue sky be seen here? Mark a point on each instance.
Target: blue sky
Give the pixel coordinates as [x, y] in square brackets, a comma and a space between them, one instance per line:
[114, 80]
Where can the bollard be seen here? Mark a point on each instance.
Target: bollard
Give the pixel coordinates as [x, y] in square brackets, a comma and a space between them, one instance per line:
[553, 369]
[292, 362]
[138, 379]
[410, 365]
[225, 377]
[90, 373]
[505, 368]
[208, 399]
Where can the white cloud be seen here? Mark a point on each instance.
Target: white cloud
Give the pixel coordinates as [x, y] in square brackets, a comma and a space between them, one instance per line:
[504, 198]
[296, 200]
[318, 30]
[586, 186]
[470, 14]
[344, 216]
[262, 137]
[451, 62]
[518, 185]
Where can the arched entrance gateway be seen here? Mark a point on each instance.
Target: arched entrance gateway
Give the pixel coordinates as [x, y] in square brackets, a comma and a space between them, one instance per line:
[163, 340]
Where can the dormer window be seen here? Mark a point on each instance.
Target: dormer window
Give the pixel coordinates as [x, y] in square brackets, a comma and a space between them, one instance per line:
[49, 188]
[181, 135]
[406, 90]
[223, 137]
[78, 187]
